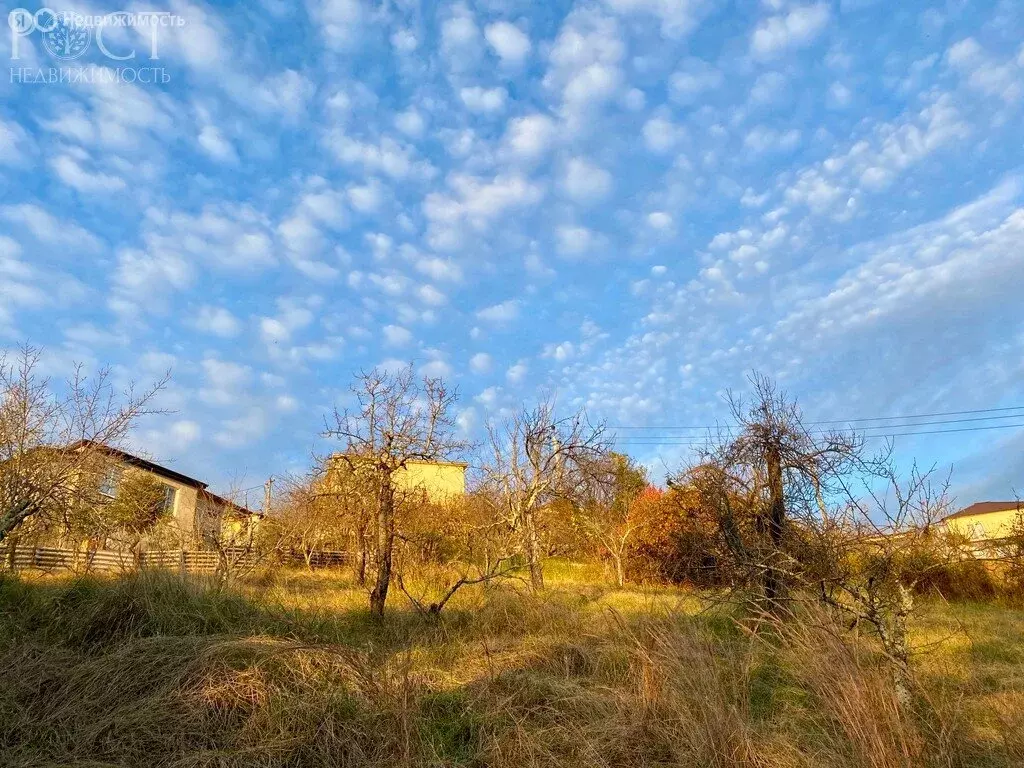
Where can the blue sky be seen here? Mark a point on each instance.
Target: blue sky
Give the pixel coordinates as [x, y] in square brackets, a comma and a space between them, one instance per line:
[628, 203]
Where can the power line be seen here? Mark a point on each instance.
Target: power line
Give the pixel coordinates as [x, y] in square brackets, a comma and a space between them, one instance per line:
[693, 441]
[875, 426]
[859, 420]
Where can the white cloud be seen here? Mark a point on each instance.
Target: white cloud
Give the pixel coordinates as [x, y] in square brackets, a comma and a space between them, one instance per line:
[839, 96]
[243, 430]
[217, 321]
[460, 39]
[366, 198]
[505, 312]
[585, 64]
[286, 403]
[560, 352]
[693, 78]
[233, 237]
[146, 281]
[339, 21]
[516, 374]
[795, 29]
[575, 241]
[182, 434]
[484, 100]
[661, 134]
[678, 17]
[430, 295]
[480, 362]
[177, 438]
[439, 269]
[16, 145]
[585, 182]
[510, 43]
[986, 74]
[659, 220]
[383, 155]
[436, 369]
[48, 229]
[224, 382]
[969, 259]
[410, 123]
[292, 316]
[762, 139]
[71, 172]
[304, 232]
[404, 41]
[213, 143]
[474, 203]
[396, 335]
[529, 137]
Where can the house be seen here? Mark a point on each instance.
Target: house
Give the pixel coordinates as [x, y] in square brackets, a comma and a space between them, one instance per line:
[984, 520]
[437, 481]
[195, 513]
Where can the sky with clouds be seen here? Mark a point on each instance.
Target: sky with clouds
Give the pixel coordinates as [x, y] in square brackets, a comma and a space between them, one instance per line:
[628, 203]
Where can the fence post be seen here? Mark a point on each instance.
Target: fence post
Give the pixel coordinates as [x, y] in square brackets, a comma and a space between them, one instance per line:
[181, 563]
[35, 556]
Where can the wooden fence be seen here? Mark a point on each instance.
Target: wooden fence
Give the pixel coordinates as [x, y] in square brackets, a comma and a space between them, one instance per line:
[183, 560]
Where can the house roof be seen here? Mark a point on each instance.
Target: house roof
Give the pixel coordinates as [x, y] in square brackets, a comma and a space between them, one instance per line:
[138, 461]
[985, 508]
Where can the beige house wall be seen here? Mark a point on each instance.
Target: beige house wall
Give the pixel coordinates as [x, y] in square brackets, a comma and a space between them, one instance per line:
[183, 517]
[439, 481]
[990, 525]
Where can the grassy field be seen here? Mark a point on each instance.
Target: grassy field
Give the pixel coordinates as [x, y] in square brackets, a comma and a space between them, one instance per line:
[289, 670]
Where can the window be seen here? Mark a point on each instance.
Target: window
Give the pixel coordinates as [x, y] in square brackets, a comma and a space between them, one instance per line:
[170, 492]
[111, 482]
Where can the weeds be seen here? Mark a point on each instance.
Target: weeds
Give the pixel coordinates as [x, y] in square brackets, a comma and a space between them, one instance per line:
[291, 671]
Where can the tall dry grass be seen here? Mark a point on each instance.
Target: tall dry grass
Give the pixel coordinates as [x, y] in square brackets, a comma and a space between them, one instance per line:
[290, 671]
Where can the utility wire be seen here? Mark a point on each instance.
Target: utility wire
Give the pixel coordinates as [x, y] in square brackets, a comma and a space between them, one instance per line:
[866, 427]
[693, 441]
[852, 421]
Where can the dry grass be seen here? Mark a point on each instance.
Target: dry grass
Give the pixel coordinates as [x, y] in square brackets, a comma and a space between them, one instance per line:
[289, 670]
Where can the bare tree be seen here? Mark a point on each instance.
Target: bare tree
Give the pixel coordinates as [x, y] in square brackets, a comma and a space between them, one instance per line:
[397, 419]
[52, 457]
[877, 546]
[463, 542]
[764, 472]
[608, 509]
[242, 538]
[324, 510]
[535, 459]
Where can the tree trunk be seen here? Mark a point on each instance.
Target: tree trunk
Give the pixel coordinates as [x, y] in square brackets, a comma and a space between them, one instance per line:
[776, 521]
[892, 631]
[385, 547]
[531, 544]
[13, 517]
[620, 573]
[12, 550]
[363, 555]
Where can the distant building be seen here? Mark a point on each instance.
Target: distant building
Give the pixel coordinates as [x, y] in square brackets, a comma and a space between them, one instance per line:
[195, 513]
[437, 481]
[985, 520]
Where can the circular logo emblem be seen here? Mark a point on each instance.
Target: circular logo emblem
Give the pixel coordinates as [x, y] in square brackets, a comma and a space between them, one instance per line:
[21, 21]
[67, 39]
